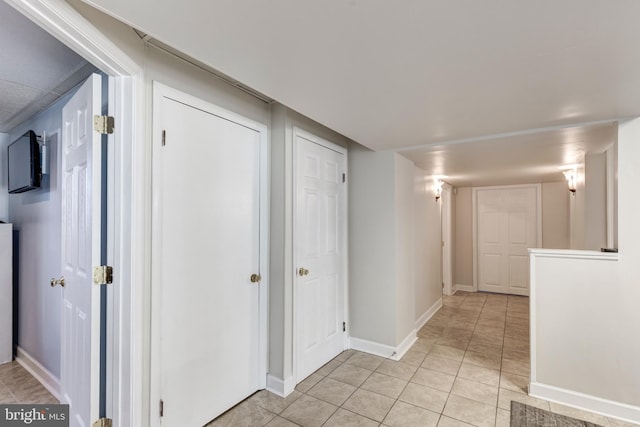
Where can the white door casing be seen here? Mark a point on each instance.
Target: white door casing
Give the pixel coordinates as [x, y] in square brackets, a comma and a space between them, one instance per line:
[81, 222]
[127, 372]
[209, 232]
[507, 223]
[320, 230]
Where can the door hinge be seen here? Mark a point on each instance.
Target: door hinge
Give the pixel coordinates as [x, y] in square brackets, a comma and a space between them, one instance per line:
[103, 124]
[103, 275]
[344, 326]
[164, 138]
[344, 177]
[103, 422]
[162, 408]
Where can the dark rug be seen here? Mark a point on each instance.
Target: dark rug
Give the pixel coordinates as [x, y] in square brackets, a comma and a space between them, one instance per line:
[528, 416]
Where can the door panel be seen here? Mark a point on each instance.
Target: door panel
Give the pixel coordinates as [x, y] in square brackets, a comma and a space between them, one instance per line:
[81, 224]
[209, 211]
[507, 228]
[320, 227]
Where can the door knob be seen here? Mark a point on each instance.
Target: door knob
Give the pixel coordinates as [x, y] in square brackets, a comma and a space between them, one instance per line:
[303, 272]
[255, 278]
[59, 281]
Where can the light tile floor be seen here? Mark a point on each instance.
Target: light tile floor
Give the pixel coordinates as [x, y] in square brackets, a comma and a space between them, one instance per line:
[471, 359]
[18, 386]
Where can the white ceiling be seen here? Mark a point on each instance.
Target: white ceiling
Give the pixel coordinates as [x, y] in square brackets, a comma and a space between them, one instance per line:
[507, 74]
[35, 69]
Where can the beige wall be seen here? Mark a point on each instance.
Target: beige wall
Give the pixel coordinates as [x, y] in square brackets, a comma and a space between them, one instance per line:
[555, 215]
[555, 227]
[463, 226]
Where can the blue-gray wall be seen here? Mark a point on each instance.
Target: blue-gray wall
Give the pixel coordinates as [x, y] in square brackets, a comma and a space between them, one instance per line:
[37, 216]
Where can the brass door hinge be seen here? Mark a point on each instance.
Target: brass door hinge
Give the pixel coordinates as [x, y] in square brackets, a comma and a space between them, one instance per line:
[103, 124]
[103, 275]
[103, 422]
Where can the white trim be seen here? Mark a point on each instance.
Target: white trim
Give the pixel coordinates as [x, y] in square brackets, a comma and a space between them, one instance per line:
[126, 402]
[474, 207]
[586, 402]
[161, 91]
[610, 183]
[405, 345]
[39, 372]
[280, 387]
[532, 315]
[422, 320]
[299, 132]
[464, 288]
[383, 350]
[575, 254]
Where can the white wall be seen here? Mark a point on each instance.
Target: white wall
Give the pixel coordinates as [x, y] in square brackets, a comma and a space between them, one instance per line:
[37, 215]
[395, 253]
[405, 262]
[4, 195]
[428, 252]
[372, 245]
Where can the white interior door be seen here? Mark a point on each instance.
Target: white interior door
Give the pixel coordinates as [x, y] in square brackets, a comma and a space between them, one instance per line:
[319, 229]
[207, 198]
[507, 221]
[81, 219]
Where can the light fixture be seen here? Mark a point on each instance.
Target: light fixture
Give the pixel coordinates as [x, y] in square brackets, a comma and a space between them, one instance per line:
[570, 175]
[437, 188]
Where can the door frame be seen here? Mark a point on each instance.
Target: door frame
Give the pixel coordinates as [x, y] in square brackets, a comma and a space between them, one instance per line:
[446, 220]
[474, 204]
[345, 256]
[161, 91]
[126, 220]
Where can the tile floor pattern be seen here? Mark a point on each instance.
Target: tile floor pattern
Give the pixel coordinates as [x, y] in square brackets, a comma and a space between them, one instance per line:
[471, 359]
[18, 386]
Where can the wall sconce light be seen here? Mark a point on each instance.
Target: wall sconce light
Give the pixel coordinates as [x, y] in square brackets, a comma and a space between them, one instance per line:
[570, 175]
[437, 188]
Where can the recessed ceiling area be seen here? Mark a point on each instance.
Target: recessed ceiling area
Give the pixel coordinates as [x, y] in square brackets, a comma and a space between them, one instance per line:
[527, 157]
[35, 68]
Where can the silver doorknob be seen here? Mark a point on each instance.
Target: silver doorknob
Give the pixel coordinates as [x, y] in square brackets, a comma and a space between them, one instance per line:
[59, 281]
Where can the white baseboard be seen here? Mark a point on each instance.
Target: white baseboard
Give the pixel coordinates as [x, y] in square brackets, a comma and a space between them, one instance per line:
[586, 402]
[465, 288]
[282, 388]
[383, 350]
[39, 372]
[405, 345]
[428, 314]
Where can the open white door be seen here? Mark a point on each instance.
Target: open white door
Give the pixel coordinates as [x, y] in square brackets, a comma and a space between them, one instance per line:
[81, 247]
[320, 227]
